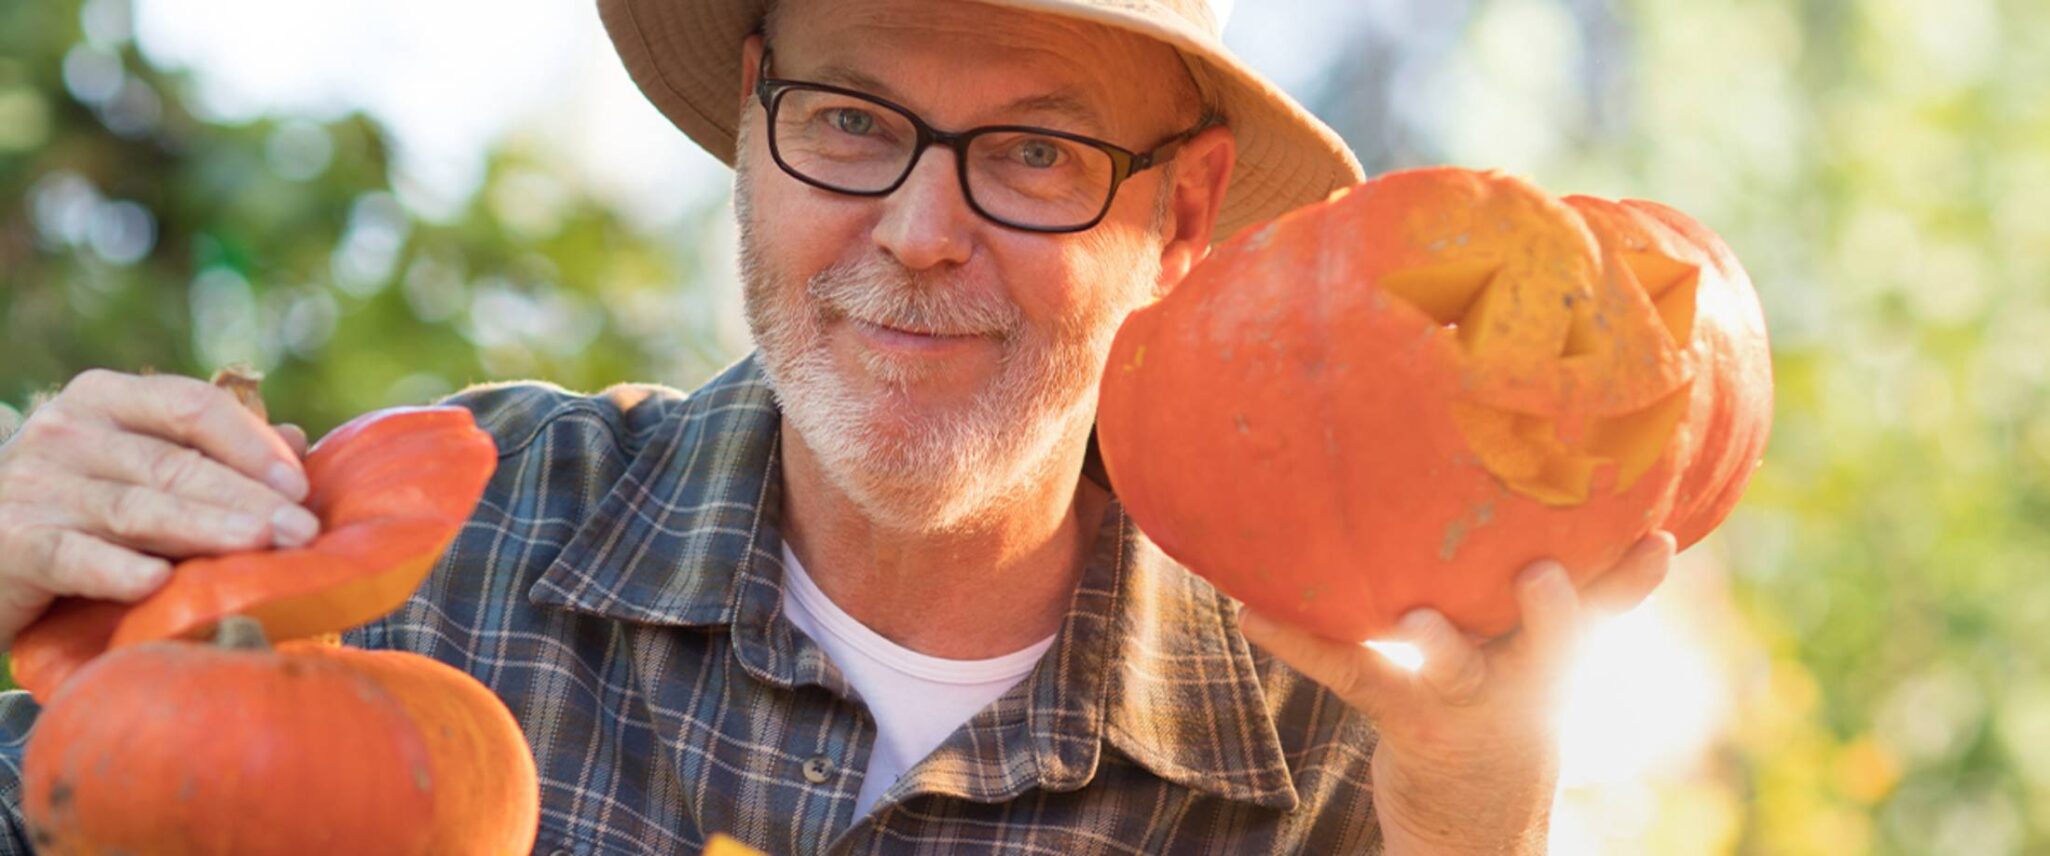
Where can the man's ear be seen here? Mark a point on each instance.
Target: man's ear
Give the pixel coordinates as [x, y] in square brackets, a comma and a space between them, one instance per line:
[1202, 174]
[750, 68]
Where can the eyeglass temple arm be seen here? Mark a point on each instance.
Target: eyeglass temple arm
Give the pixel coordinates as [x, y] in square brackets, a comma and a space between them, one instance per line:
[1165, 151]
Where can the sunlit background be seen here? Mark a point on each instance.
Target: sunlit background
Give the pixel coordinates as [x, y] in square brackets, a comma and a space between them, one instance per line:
[382, 201]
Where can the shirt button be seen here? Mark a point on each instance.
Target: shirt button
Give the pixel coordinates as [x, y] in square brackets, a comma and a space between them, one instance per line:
[818, 770]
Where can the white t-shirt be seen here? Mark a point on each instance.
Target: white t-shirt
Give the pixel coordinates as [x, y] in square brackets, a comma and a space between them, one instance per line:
[917, 700]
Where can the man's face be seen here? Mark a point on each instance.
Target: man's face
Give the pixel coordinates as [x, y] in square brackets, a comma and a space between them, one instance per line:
[933, 361]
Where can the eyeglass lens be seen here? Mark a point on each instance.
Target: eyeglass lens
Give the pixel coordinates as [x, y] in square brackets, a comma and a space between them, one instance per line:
[861, 146]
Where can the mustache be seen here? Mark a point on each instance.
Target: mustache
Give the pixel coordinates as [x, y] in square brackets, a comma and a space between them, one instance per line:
[879, 293]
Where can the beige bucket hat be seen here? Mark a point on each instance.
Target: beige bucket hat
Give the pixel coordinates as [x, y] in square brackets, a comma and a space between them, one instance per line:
[685, 56]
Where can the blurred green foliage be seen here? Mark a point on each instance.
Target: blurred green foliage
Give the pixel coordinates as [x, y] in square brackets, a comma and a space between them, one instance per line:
[138, 236]
[1882, 166]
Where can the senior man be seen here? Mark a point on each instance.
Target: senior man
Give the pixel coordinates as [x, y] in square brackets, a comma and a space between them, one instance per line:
[867, 590]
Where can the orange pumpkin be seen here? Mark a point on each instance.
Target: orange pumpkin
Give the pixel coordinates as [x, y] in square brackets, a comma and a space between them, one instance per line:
[1401, 396]
[176, 747]
[151, 743]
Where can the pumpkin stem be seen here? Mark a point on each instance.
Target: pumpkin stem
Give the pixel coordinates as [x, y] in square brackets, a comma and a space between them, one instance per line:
[242, 380]
[240, 633]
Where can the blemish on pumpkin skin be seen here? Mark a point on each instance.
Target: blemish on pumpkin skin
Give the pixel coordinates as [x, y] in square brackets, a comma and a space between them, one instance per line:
[1240, 420]
[421, 779]
[1455, 535]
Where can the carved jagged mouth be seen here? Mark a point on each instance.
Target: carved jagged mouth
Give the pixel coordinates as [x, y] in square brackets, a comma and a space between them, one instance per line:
[1529, 452]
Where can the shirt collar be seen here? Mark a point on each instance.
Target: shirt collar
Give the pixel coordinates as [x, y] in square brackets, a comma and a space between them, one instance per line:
[669, 543]
[1148, 659]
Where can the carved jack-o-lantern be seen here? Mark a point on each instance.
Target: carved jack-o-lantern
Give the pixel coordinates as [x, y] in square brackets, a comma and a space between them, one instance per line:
[1401, 396]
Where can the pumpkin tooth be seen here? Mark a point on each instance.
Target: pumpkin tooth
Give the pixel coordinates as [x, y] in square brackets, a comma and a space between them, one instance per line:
[1636, 440]
[1504, 447]
[1563, 480]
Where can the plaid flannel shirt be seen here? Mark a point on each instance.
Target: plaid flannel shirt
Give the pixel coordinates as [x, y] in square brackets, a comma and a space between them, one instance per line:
[619, 586]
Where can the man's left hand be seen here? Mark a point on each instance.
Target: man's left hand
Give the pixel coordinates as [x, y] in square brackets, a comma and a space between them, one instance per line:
[1469, 757]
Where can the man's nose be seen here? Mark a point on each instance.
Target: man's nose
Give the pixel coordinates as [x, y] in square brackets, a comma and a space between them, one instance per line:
[927, 222]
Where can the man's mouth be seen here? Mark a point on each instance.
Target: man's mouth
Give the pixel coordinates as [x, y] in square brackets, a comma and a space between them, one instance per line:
[916, 329]
[893, 337]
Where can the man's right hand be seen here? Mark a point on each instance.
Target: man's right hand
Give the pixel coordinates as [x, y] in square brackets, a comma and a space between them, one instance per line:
[108, 483]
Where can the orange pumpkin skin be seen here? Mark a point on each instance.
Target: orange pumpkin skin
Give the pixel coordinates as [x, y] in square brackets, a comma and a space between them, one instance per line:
[487, 798]
[1401, 396]
[391, 489]
[181, 748]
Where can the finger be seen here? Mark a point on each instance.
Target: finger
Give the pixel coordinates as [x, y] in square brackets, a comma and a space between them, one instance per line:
[1358, 675]
[1454, 666]
[152, 521]
[193, 413]
[1551, 614]
[138, 459]
[66, 562]
[294, 436]
[1641, 570]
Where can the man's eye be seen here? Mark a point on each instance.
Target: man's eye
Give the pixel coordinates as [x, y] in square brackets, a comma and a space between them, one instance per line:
[1037, 153]
[847, 120]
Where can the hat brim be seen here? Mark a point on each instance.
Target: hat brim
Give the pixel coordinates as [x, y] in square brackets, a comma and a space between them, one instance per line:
[685, 56]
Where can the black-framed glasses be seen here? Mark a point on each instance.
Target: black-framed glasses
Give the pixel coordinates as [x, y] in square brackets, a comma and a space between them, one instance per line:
[1024, 177]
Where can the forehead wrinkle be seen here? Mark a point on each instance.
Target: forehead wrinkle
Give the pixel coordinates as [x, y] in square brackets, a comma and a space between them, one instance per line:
[850, 78]
[1066, 102]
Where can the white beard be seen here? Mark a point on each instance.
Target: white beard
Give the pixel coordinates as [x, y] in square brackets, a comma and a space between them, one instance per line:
[905, 470]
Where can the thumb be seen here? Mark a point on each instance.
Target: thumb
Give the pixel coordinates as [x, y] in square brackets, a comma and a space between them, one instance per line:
[1363, 676]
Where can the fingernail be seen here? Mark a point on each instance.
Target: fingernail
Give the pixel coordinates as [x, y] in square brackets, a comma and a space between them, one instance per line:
[287, 480]
[1415, 622]
[1546, 574]
[292, 526]
[151, 574]
[241, 528]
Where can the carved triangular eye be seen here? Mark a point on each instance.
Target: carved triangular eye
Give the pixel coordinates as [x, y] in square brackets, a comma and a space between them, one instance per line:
[1671, 284]
[1445, 291]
